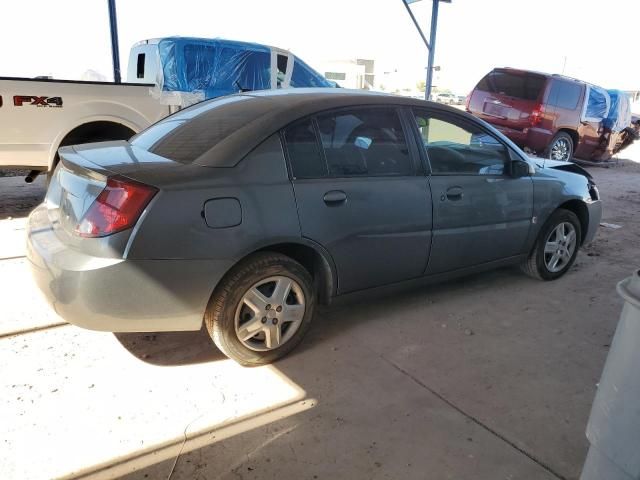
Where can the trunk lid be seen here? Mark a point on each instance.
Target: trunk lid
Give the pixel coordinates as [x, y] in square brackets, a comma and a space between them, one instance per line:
[82, 175]
[508, 98]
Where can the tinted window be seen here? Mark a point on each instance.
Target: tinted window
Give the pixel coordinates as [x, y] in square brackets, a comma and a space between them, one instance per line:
[564, 94]
[140, 66]
[364, 142]
[192, 132]
[303, 150]
[454, 148]
[524, 86]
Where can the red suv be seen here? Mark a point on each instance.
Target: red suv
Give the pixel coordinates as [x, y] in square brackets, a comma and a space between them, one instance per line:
[547, 115]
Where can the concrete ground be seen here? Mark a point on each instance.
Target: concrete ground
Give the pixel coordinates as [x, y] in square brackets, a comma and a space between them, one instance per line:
[488, 377]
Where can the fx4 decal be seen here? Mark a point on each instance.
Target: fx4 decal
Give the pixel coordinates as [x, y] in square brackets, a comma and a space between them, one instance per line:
[20, 100]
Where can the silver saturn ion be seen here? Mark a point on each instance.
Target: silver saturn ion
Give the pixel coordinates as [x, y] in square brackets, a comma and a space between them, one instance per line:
[246, 211]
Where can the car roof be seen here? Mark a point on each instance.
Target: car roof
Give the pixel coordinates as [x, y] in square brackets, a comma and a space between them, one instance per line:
[258, 115]
[535, 72]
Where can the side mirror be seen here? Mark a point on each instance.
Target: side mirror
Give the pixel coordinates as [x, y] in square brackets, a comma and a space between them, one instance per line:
[519, 168]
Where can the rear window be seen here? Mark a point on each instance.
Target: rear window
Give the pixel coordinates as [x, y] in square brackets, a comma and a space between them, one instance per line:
[190, 133]
[564, 94]
[524, 86]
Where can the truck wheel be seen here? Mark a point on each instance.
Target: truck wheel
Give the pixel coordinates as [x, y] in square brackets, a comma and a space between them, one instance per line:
[556, 248]
[262, 309]
[561, 147]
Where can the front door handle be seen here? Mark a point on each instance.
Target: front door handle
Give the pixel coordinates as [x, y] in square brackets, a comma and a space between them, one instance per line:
[334, 197]
[455, 193]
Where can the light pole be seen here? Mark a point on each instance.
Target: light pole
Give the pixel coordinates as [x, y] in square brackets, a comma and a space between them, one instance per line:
[115, 52]
[431, 44]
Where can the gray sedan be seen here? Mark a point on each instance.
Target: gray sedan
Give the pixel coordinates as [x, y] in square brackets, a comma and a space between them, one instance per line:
[246, 211]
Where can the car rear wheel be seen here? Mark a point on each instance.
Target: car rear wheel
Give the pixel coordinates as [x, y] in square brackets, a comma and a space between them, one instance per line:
[561, 147]
[262, 309]
[556, 247]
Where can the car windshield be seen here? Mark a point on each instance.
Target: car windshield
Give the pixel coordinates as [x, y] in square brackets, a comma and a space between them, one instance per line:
[524, 86]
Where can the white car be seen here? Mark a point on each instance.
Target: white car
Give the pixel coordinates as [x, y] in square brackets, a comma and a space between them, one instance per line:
[446, 98]
[38, 116]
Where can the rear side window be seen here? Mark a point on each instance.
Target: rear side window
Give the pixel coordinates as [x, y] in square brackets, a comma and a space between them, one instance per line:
[564, 94]
[140, 66]
[304, 152]
[364, 142]
[523, 86]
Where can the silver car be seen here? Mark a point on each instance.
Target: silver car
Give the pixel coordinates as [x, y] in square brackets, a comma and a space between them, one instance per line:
[246, 211]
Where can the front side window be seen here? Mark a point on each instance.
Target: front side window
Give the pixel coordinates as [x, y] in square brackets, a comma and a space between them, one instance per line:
[364, 142]
[460, 148]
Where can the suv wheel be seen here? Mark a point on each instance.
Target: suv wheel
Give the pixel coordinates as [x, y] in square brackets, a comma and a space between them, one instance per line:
[262, 309]
[561, 147]
[556, 248]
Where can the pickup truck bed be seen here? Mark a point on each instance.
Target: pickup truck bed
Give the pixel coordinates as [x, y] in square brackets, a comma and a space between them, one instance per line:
[37, 116]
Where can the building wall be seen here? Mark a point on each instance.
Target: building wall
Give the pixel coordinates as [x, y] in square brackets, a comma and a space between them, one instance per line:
[357, 74]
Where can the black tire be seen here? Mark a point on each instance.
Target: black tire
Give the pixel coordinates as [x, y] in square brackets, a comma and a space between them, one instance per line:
[221, 312]
[535, 266]
[565, 141]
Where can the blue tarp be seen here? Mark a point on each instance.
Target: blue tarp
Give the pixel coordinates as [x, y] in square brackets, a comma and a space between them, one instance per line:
[219, 67]
[597, 105]
[619, 116]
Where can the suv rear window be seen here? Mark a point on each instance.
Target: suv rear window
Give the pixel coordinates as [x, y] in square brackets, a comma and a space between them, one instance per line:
[524, 86]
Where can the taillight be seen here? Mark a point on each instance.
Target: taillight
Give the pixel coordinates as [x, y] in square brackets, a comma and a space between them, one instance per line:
[117, 208]
[536, 115]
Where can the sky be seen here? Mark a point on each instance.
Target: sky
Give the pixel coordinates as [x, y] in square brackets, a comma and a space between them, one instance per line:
[65, 38]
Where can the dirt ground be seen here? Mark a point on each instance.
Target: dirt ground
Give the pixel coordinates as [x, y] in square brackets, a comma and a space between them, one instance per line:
[487, 377]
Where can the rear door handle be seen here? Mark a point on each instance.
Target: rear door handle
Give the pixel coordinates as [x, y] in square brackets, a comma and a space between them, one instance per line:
[455, 193]
[334, 197]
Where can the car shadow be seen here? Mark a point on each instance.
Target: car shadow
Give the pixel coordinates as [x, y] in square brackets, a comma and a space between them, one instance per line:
[171, 348]
[188, 348]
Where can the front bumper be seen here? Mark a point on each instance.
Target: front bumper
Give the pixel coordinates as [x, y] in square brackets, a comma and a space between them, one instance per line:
[595, 215]
[115, 294]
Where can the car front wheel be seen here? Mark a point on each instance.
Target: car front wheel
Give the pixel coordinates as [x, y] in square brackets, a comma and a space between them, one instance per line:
[556, 248]
[262, 309]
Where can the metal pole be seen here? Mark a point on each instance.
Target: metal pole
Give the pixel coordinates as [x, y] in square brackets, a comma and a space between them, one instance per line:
[115, 52]
[432, 49]
[415, 22]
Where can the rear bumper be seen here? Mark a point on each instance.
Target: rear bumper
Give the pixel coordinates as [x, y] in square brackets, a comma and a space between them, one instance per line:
[595, 215]
[118, 295]
[535, 139]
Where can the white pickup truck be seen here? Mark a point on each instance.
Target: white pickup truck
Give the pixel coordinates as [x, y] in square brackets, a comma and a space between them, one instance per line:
[38, 116]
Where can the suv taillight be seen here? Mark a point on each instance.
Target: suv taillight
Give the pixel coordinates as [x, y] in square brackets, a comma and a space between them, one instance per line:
[117, 208]
[536, 115]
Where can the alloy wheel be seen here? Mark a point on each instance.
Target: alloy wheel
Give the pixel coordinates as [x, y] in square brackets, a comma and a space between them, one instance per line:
[561, 150]
[560, 247]
[269, 313]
